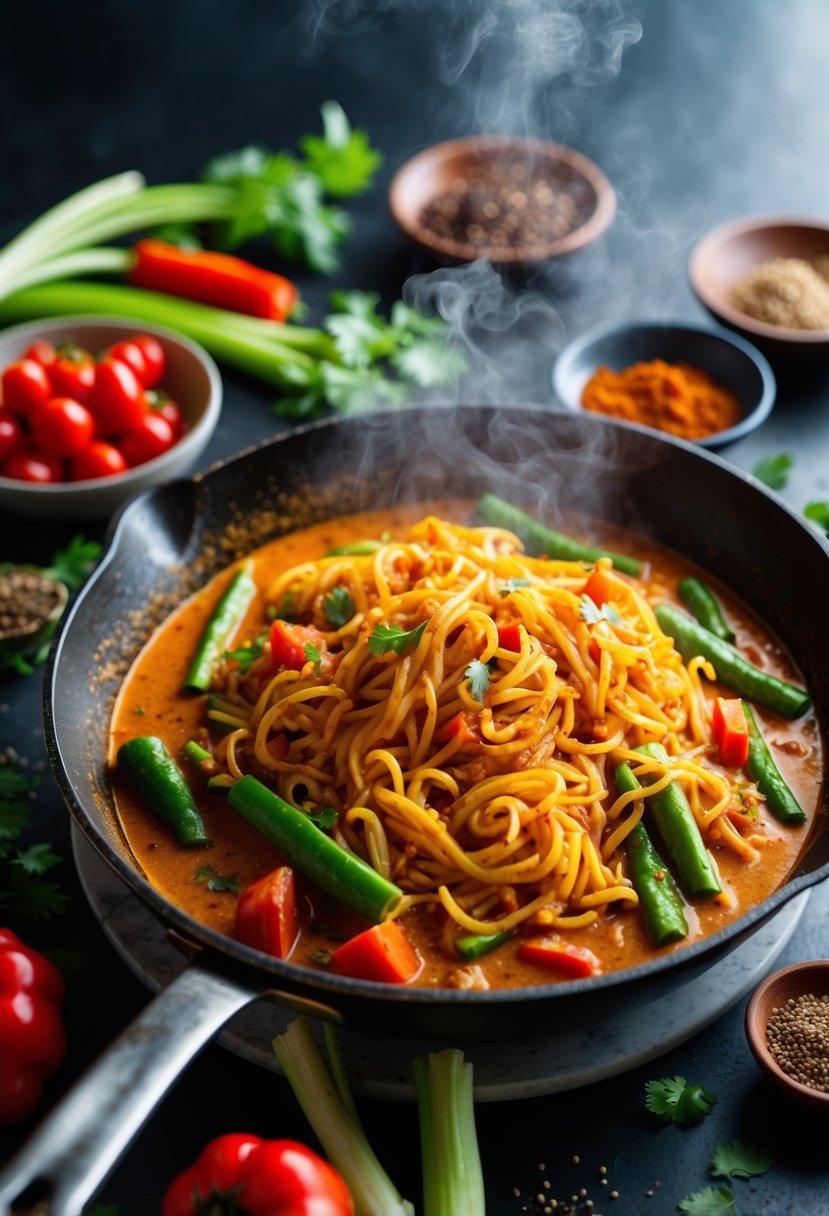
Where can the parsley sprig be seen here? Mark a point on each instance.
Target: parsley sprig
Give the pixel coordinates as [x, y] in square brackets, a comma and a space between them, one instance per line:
[25, 892]
[387, 639]
[675, 1101]
[339, 606]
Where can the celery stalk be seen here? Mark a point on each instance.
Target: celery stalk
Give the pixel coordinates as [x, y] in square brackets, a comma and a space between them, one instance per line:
[452, 1175]
[341, 1137]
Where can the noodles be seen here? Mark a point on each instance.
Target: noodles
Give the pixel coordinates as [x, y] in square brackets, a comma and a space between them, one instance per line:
[462, 707]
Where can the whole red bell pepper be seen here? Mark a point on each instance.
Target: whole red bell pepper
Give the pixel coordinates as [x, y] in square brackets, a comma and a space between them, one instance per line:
[240, 1175]
[32, 1037]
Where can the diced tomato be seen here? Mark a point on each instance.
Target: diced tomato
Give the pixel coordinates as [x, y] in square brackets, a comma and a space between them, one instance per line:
[730, 731]
[278, 747]
[599, 586]
[576, 962]
[463, 726]
[382, 953]
[288, 643]
[266, 916]
[509, 637]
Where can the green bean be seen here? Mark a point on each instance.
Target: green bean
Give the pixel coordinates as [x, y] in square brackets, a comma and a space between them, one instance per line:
[156, 777]
[538, 539]
[476, 945]
[360, 548]
[691, 639]
[223, 622]
[342, 875]
[659, 899]
[675, 821]
[770, 781]
[195, 752]
[706, 607]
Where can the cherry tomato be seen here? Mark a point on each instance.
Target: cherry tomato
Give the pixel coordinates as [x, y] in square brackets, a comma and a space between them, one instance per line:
[118, 402]
[130, 352]
[155, 360]
[42, 353]
[72, 373]
[29, 466]
[25, 387]
[62, 427]
[11, 434]
[152, 436]
[98, 460]
[161, 404]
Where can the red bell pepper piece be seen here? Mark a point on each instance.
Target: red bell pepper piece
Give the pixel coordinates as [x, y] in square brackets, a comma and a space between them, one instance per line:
[32, 1037]
[219, 279]
[464, 726]
[730, 731]
[382, 953]
[289, 645]
[245, 1174]
[509, 637]
[576, 962]
[266, 916]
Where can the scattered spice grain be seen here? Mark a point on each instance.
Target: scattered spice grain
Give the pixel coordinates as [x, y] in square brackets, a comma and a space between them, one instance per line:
[798, 1037]
[792, 293]
[673, 397]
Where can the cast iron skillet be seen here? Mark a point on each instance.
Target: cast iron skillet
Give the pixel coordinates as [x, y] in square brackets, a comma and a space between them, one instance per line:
[170, 540]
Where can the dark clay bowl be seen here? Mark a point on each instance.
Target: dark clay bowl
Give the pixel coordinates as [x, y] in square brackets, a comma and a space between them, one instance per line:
[730, 251]
[732, 362]
[777, 988]
[444, 168]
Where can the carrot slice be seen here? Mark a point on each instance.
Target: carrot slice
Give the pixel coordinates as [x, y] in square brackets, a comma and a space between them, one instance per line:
[266, 916]
[463, 726]
[576, 962]
[730, 731]
[599, 586]
[382, 953]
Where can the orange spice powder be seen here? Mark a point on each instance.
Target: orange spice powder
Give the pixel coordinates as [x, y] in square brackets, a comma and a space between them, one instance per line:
[673, 397]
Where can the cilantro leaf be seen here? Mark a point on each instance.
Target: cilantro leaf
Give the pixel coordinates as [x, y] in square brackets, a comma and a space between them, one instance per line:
[324, 819]
[773, 471]
[247, 655]
[73, 564]
[217, 882]
[23, 893]
[818, 513]
[592, 613]
[38, 859]
[478, 674]
[312, 655]
[342, 158]
[740, 1159]
[673, 1100]
[513, 584]
[339, 606]
[386, 638]
[709, 1202]
[31, 899]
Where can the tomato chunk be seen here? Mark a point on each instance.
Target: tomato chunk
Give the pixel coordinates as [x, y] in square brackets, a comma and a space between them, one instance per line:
[382, 953]
[730, 731]
[266, 916]
[289, 645]
[463, 726]
[509, 637]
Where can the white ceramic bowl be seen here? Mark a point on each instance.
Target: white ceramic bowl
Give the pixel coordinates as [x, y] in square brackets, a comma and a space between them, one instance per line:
[191, 379]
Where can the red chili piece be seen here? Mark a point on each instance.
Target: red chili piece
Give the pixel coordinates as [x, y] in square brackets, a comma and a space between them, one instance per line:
[32, 1037]
[244, 1174]
[219, 279]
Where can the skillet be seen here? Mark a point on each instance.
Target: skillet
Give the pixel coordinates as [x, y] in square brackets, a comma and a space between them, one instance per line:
[172, 539]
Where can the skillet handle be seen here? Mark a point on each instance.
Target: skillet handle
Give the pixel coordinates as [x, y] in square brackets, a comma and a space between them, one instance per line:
[68, 1157]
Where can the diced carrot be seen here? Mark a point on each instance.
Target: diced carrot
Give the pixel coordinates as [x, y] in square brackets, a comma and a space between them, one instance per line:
[577, 962]
[463, 726]
[266, 916]
[599, 587]
[382, 953]
[730, 731]
[509, 637]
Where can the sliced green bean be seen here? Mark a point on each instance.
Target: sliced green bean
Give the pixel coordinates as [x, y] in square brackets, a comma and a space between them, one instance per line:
[342, 875]
[691, 639]
[476, 945]
[538, 539]
[770, 781]
[359, 548]
[706, 607]
[675, 822]
[156, 777]
[223, 622]
[195, 752]
[659, 899]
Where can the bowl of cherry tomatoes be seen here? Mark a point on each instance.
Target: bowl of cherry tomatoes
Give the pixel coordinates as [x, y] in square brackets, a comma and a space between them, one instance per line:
[94, 409]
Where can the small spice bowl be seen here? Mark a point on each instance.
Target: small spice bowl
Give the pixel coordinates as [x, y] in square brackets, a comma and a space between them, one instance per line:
[729, 360]
[191, 379]
[730, 252]
[790, 983]
[507, 199]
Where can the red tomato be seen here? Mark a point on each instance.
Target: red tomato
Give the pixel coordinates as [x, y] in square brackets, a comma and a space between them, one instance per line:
[130, 352]
[150, 438]
[62, 427]
[25, 387]
[118, 402]
[28, 466]
[155, 360]
[98, 460]
[266, 917]
[11, 434]
[159, 403]
[42, 352]
[72, 373]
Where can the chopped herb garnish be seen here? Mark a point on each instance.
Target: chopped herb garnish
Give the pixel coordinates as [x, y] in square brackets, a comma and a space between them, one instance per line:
[285, 610]
[740, 1159]
[818, 513]
[339, 606]
[23, 891]
[217, 882]
[478, 674]
[513, 584]
[247, 655]
[140, 710]
[592, 613]
[73, 564]
[322, 957]
[709, 1202]
[312, 655]
[324, 819]
[674, 1101]
[386, 638]
[773, 471]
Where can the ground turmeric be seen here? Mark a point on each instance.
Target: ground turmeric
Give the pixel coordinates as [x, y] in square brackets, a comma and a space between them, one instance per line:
[673, 397]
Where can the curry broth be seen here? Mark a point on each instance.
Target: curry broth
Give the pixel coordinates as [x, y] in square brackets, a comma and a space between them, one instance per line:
[152, 702]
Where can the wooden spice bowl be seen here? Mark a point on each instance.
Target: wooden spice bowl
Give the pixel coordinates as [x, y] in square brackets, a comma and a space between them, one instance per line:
[729, 252]
[775, 990]
[463, 168]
